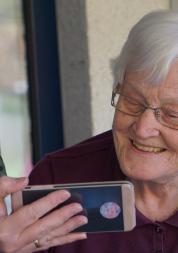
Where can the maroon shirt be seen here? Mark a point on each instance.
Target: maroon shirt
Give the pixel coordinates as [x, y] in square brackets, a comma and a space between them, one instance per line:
[95, 160]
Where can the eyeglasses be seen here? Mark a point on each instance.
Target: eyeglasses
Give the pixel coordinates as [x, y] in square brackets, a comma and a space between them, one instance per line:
[166, 114]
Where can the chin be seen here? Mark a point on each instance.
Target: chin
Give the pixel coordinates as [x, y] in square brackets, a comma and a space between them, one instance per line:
[143, 173]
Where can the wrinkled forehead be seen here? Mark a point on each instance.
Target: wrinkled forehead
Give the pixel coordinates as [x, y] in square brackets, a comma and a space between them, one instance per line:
[165, 90]
[141, 78]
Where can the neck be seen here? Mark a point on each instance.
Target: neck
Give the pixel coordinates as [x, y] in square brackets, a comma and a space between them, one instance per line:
[156, 200]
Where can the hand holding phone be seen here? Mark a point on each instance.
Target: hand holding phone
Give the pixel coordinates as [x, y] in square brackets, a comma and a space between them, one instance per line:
[20, 230]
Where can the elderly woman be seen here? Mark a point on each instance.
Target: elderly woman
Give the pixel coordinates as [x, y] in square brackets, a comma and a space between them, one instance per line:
[143, 149]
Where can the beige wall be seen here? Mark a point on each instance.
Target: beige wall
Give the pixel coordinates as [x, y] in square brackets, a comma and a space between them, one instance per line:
[91, 34]
[108, 25]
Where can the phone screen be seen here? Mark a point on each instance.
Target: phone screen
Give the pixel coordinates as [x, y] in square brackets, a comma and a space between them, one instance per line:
[102, 206]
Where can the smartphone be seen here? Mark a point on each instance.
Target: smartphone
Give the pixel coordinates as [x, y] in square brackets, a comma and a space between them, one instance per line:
[109, 206]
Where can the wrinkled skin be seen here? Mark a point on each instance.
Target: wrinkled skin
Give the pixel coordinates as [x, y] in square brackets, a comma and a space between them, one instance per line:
[154, 174]
[19, 230]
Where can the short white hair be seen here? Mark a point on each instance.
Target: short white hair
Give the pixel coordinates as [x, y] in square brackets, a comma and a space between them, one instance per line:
[152, 45]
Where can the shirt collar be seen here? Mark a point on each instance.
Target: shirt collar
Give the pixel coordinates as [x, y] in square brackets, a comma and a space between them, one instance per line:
[141, 220]
[173, 220]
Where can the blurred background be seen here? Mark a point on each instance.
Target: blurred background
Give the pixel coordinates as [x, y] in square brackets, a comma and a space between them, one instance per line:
[15, 138]
[56, 78]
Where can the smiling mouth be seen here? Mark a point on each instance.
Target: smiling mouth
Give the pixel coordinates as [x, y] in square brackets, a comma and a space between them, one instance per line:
[147, 148]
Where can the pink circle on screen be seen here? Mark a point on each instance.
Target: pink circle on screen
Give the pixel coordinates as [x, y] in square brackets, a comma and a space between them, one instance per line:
[110, 210]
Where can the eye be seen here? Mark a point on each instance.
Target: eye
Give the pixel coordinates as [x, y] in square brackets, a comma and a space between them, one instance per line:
[170, 116]
[132, 105]
[170, 112]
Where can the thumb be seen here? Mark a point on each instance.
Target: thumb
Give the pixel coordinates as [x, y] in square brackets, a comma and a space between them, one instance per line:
[9, 185]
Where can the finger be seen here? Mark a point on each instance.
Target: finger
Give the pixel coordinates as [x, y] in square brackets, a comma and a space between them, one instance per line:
[58, 236]
[64, 229]
[3, 209]
[29, 214]
[69, 226]
[47, 224]
[69, 238]
[9, 185]
[51, 243]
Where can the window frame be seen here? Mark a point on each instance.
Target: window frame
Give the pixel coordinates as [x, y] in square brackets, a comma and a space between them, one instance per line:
[43, 75]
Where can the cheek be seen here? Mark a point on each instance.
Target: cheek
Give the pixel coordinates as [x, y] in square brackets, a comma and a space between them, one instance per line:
[120, 134]
[171, 141]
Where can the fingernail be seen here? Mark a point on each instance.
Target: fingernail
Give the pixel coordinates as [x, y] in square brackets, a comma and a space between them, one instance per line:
[65, 195]
[83, 235]
[85, 220]
[78, 207]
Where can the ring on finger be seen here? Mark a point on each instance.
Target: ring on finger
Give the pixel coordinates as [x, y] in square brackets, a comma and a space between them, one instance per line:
[37, 244]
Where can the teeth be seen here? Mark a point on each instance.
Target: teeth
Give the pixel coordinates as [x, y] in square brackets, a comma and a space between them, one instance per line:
[146, 148]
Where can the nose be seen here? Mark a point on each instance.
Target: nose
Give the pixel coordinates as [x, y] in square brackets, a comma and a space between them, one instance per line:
[146, 125]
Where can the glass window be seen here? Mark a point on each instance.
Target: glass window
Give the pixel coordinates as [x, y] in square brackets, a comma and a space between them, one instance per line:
[14, 115]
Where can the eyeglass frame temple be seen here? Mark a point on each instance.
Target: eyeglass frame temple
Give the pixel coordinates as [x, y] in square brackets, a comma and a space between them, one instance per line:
[156, 110]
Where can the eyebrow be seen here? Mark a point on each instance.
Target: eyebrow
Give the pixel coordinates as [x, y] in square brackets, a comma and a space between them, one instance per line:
[172, 99]
[171, 88]
[134, 84]
[133, 87]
